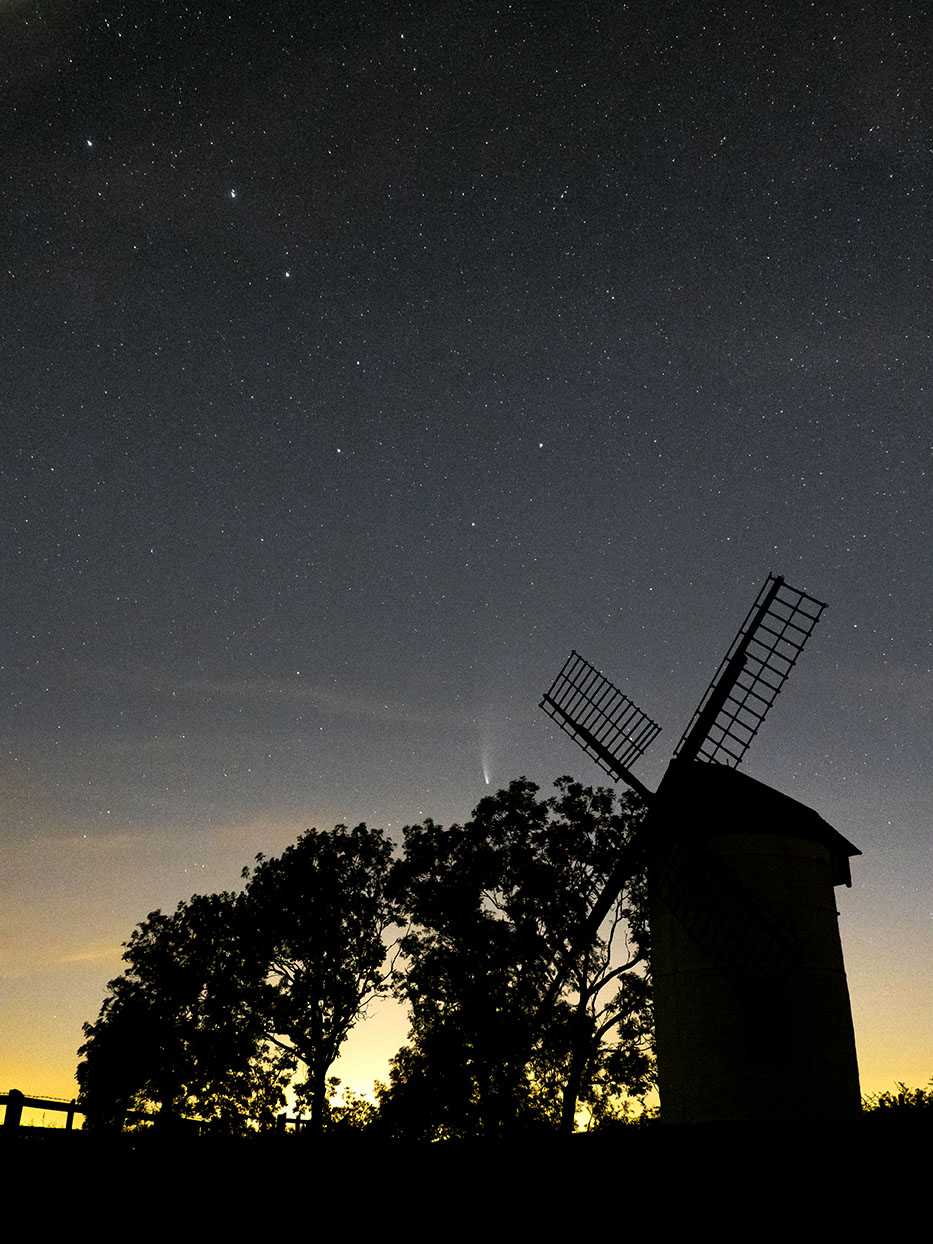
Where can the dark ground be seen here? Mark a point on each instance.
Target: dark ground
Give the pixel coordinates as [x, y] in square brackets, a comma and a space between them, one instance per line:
[867, 1157]
[724, 1186]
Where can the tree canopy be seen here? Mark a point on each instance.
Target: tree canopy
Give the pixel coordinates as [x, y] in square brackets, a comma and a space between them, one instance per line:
[320, 915]
[179, 1032]
[495, 905]
[225, 998]
[234, 998]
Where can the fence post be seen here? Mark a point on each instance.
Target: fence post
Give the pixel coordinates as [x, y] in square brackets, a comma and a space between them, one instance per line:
[14, 1108]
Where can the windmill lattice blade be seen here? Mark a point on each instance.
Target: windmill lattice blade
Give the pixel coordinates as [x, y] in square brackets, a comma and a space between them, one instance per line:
[605, 723]
[751, 675]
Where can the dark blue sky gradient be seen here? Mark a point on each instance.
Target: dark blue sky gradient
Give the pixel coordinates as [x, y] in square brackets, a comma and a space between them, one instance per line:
[356, 366]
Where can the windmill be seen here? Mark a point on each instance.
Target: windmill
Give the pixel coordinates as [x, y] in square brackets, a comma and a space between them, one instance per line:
[752, 1014]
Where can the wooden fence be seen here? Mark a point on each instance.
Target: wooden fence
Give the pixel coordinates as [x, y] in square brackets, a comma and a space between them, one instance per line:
[15, 1102]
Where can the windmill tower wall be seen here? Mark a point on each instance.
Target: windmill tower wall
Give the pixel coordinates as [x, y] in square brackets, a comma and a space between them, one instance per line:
[752, 1010]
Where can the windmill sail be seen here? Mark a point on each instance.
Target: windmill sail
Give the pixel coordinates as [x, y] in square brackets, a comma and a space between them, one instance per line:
[751, 675]
[603, 721]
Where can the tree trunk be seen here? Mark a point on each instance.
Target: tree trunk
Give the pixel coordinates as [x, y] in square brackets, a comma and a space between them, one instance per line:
[579, 1058]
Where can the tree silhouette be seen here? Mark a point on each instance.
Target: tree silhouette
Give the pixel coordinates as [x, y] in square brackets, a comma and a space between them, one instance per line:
[320, 912]
[513, 1023]
[495, 905]
[179, 1032]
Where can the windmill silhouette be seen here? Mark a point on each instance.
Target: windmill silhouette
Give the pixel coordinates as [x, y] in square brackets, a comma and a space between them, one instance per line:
[752, 1015]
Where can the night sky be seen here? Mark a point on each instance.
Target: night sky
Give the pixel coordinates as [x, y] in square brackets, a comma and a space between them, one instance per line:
[358, 364]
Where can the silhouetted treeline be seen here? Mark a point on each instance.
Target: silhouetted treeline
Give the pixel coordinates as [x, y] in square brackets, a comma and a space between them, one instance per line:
[235, 999]
[902, 1101]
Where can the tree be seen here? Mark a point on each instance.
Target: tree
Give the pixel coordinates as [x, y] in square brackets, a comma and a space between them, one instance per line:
[178, 1033]
[495, 905]
[224, 999]
[321, 912]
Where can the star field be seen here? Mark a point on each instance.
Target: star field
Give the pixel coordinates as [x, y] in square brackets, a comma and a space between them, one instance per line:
[360, 364]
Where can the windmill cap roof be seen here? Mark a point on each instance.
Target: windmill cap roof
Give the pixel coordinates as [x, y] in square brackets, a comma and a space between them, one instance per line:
[741, 804]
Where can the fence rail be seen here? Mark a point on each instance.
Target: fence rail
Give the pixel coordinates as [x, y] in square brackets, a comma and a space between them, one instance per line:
[16, 1102]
